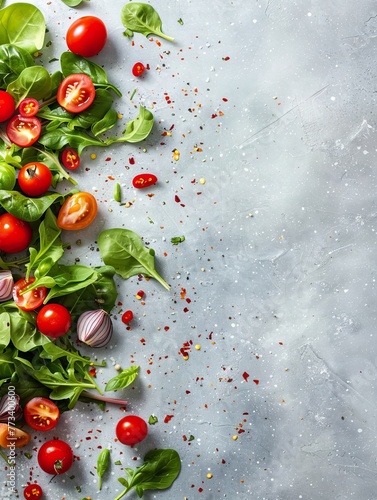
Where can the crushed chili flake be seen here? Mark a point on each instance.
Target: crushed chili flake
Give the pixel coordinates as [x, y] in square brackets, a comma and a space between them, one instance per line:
[131, 161]
[168, 418]
[225, 99]
[256, 381]
[246, 376]
[177, 199]
[226, 58]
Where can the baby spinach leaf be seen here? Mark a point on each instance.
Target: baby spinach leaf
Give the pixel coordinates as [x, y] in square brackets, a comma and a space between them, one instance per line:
[78, 139]
[106, 123]
[139, 128]
[158, 472]
[101, 105]
[32, 82]
[25, 208]
[74, 3]
[22, 24]
[124, 250]
[13, 60]
[142, 18]
[72, 63]
[123, 379]
[69, 279]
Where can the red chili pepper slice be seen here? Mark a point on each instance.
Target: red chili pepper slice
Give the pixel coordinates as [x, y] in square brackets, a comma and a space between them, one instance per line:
[138, 69]
[70, 159]
[144, 180]
[28, 107]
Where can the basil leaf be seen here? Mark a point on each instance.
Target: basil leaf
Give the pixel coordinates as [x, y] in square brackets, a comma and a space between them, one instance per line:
[123, 379]
[124, 250]
[23, 25]
[142, 18]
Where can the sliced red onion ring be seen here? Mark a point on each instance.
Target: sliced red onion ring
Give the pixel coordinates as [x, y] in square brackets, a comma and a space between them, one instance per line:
[6, 285]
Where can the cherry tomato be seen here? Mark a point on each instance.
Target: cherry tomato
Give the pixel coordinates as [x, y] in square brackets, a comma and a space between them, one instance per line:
[28, 107]
[127, 317]
[77, 212]
[131, 429]
[76, 92]
[70, 159]
[24, 131]
[138, 69]
[55, 457]
[7, 106]
[144, 180]
[33, 492]
[30, 300]
[15, 234]
[54, 320]
[86, 36]
[34, 179]
[10, 435]
[41, 414]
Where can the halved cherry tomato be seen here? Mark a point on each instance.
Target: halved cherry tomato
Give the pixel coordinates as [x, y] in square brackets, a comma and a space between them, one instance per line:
[30, 300]
[41, 414]
[15, 234]
[70, 159]
[28, 107]
[33, 492]
[54, 320]
[7, 106]
[76, 92]
[34, 179]
[55, 457]
[77, 212]
[131, 429]
[144, 180]
[86, 36]
[11, 435]
[138, 69]
[24, 131]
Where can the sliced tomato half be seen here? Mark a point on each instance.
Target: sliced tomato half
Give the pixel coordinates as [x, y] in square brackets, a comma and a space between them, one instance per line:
[78, 211]
[24, 131]
[76, 92]
[28, 301]
[41, 414]
[13, 436]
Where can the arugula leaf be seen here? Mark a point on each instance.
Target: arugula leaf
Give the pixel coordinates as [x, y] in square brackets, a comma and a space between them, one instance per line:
[124, 250]
[123, 379]
[144, 19]
[158, 472]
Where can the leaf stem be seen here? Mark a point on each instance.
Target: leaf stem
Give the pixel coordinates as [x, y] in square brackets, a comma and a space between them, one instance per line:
[106, 399]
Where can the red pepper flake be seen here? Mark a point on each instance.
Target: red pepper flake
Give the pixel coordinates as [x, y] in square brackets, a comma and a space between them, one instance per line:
[256, 381]
[188, 301]
[183, 293]
[214, 115]
[168, 418]
[186, 310]
[280, 343]
[226, 58]
[225, 99]
[166, 328]
[92, 371]
[177, 199]
[131, 161]
[108, 158]
[245, 376]
[142, 340]
[188, 392]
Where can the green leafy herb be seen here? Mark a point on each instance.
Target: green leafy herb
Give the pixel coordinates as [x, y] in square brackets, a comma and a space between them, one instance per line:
[124, 250]
[103, 463]
[123, 379]
[142, 18]
[74, 3]
[158, 472]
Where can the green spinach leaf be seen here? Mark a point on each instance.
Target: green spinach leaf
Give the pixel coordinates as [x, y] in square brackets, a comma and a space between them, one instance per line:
[22, 24]
[32, 82]
[124, 250]
[144, 19]
[25, 208]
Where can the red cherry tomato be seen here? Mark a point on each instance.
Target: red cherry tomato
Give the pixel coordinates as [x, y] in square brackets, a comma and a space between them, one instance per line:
[138, 69]
[28, 107]
[7, 106]
[24, 131]
[15, 234]
[55, 457]
[30, 300]
[10, 434]
[76, 92]
[131, 429]
[34, 179]
[144, 180]
[54, 320]
[86, 36]
[41, 414]
[33, 492]
[127, 317]
[77, 212]
[70, 159]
